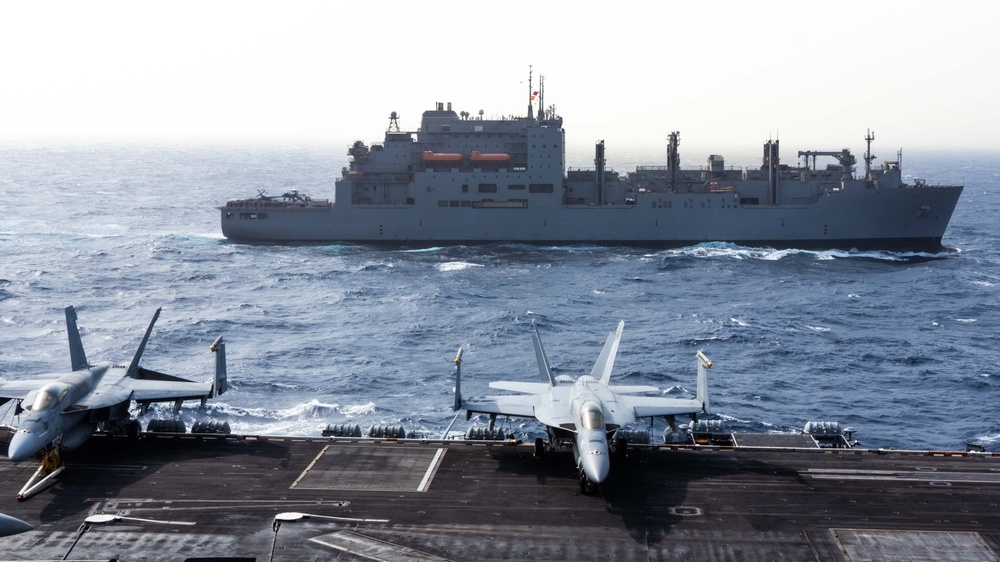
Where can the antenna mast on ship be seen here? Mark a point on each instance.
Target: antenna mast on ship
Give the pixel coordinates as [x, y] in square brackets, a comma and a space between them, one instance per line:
[531, 96]
[541, 98]
[869, 182]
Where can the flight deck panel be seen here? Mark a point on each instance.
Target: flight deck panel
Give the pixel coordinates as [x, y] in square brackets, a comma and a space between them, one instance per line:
[174, 498]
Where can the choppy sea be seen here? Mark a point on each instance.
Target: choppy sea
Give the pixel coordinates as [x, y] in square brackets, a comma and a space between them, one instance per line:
[902, 347]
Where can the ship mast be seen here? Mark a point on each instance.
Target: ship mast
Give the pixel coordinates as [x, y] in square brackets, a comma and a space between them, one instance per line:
[869, 157]
[541, 98]
[673, 158]
[531, 97]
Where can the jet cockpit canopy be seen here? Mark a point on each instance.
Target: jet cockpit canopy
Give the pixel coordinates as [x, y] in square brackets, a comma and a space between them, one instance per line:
[49, 396]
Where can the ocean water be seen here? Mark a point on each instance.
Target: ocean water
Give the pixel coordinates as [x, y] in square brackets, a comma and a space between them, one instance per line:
[902, 347]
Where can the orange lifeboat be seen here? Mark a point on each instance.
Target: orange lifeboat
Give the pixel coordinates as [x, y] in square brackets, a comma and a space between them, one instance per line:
[442, 156]
[714, 187]
[498, 158]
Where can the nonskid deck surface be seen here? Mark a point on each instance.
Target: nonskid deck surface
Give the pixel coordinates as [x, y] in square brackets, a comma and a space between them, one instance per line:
[179, 498]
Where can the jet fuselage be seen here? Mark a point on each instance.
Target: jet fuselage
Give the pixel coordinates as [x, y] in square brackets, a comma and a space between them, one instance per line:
[590, 443]
[46, 419]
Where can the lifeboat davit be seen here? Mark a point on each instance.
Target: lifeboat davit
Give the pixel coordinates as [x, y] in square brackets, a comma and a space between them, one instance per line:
[442, 156]
[488, 157]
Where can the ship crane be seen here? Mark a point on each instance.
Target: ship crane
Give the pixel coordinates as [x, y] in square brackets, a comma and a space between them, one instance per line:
[846, 159]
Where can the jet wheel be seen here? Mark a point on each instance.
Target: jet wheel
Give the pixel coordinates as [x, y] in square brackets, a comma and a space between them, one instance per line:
[621, 447]
[132, 429]
[539, 451]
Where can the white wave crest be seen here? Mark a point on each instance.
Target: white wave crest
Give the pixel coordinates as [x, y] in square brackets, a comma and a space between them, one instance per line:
[456, 265]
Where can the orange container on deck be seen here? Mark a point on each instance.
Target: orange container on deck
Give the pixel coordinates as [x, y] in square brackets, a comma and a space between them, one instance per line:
[442, 156]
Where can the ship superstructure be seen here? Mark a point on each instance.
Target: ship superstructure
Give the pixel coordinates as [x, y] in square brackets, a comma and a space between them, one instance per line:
[466, 179]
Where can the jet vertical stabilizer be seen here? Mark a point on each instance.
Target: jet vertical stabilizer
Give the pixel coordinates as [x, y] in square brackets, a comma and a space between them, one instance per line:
[704, 364]
[76, 355]
[221, 380]
[606, 361]
[133, 367]
[543, 362]
[458, 380]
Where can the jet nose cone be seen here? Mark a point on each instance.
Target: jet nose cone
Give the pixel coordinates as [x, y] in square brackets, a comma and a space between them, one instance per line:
[596, 466]
[12, 526]
[23, 445]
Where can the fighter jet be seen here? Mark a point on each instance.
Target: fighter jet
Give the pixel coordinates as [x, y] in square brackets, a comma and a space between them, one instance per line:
[64, 410]
[588, 410]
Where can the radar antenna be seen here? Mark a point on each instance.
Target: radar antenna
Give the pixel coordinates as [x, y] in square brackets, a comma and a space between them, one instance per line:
[393, 122]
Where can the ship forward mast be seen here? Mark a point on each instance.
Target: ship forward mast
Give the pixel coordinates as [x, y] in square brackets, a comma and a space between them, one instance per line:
[531, 95]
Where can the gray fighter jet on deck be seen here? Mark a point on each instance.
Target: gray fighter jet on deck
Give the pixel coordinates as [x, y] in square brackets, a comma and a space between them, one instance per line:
[64, 410]
[587, 410]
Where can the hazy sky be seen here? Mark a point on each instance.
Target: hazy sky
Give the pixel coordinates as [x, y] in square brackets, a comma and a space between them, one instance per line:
[724, 73]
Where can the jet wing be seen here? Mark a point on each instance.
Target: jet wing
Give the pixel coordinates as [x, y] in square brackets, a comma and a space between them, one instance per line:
[547, 404]
[652, 406]
[167, 391]
[517, 406]
[18, 389]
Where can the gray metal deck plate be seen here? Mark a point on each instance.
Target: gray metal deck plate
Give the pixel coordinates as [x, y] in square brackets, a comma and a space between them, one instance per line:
[497, 502]
[373, 469]
[791, 440]
[866, 545]
[350, 542]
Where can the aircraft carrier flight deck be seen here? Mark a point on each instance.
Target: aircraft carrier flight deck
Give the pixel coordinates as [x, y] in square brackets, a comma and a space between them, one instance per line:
[186, 497]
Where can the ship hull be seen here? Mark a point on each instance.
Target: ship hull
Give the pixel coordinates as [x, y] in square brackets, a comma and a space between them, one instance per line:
[906, 218]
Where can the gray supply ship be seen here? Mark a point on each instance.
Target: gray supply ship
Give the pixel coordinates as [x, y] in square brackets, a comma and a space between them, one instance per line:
[462, 179]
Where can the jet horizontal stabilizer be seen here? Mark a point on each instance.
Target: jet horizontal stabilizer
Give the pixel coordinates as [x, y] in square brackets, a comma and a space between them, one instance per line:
[632, 389]
[149, 375]
[525, 387]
